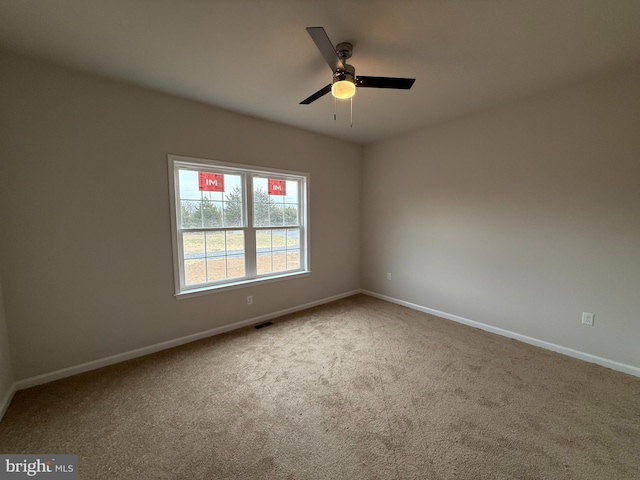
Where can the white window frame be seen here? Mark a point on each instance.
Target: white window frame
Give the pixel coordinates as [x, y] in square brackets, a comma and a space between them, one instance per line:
[247, 172]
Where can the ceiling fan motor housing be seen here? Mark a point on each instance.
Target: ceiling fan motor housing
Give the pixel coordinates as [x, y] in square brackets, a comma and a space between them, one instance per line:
[348, 74]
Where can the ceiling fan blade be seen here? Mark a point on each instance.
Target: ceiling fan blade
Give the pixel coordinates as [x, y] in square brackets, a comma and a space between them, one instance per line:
[328, 51]
[317, 95]
[385, 82]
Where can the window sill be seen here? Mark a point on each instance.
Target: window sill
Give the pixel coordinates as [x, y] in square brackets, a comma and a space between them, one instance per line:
[196, 292]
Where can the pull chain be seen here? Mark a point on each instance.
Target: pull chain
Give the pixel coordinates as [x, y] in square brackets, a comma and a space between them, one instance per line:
[335, 109]
[351, 111]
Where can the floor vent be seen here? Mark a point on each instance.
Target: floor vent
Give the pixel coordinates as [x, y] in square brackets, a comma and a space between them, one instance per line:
[262, 325]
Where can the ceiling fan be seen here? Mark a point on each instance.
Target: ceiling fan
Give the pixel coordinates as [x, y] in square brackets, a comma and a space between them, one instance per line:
[345, 81]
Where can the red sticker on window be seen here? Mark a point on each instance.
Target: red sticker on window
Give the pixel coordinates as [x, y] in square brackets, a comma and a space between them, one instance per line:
[277, 187]
[211, 182]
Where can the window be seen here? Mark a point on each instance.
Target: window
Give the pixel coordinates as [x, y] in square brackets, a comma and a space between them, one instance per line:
[234, 224]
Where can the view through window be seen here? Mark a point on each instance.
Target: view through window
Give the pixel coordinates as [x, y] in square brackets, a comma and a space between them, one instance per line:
[235, 224]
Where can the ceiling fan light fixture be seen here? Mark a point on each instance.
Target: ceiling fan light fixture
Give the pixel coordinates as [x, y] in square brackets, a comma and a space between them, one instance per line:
[343, 89]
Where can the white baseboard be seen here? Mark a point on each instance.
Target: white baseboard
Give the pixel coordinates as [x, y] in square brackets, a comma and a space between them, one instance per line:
[121, 357]
[587, 357]
[6, 400]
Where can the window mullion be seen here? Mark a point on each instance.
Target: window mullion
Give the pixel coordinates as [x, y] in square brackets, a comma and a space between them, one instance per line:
[250, 251]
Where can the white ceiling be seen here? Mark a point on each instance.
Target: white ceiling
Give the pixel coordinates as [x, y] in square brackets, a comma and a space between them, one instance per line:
[255, 57]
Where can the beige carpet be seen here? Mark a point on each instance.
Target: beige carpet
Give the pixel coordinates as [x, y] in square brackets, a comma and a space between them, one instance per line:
[356, 389]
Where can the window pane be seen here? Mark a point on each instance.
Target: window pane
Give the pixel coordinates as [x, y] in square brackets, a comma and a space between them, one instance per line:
[293, 192]
[293, 238]
[211, 213]
[261, 202]
[193, 245]
[276, 215]
[278, 250]
[189, 214]
[188, 185]
[293, 260]
[235, 253]
[276, 202]
[216, 253]
[216, 244]
[291, 214]
[291, 204]
[293, 248]
[209, 199]
[278, 240]
[263, 247]
[194, 272]
[225, 255]
[216, 269]
[233, 207]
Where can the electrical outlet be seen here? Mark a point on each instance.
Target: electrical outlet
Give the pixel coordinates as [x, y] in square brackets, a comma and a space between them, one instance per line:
[389, 276]
[588, 318]
[249, 299]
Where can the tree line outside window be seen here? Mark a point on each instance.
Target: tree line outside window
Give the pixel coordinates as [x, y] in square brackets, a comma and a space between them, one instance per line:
[228, 213]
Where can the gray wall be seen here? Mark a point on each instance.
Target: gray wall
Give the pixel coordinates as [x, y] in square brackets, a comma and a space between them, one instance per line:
[6, 372]
[521, 217]
[86, 255]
